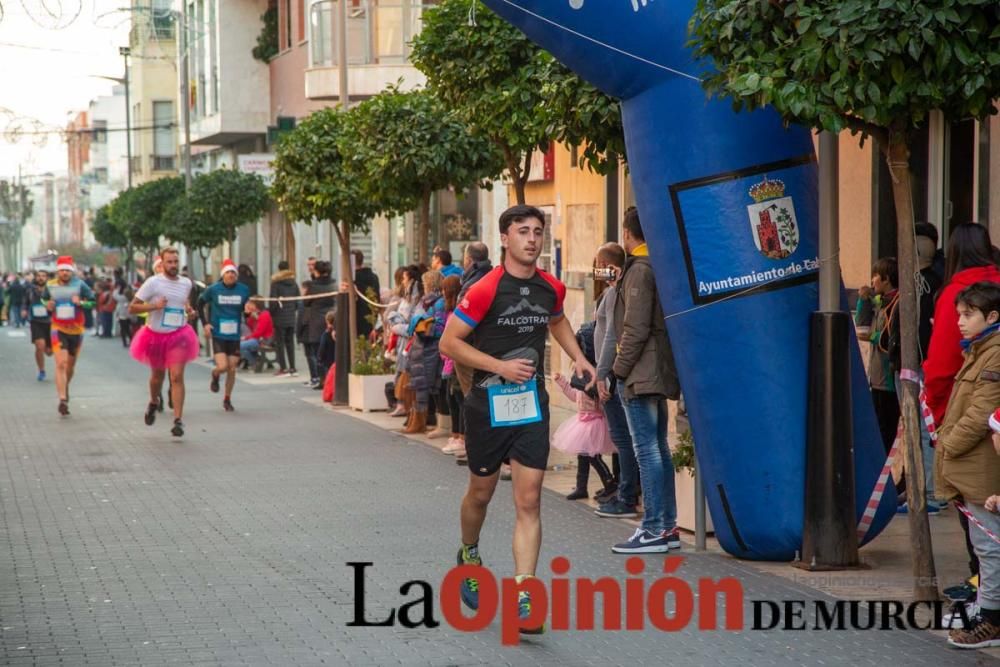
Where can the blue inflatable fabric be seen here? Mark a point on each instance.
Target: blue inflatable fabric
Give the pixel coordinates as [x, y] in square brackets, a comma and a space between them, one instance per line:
[728, 204]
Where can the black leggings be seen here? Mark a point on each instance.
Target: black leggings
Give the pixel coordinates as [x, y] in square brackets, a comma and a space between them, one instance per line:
[125, 329]
[456, 404]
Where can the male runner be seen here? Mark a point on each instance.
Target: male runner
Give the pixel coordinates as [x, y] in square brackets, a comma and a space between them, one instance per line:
[509, 314]
[66, 297]
[225, 301]
[37, 313]
[166, 343]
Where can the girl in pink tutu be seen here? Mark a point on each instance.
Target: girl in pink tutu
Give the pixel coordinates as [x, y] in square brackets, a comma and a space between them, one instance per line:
[585, 433]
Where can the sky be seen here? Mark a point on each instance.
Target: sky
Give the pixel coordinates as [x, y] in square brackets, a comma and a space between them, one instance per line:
[48, 63]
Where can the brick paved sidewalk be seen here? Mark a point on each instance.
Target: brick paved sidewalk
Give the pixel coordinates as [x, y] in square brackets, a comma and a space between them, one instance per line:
[120, 545]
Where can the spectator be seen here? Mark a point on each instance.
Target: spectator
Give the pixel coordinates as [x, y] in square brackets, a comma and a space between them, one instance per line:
[969, 260]
[326, 353]
[477, 264]
[441, 261]
[425, 329]
[313, 321]
[122, 296]
[967, 470]
[399, 325]
[452, 391]
[106, 306]
[884, 346]
[247, 277]
[263, 331]
[15, 300]
[929, 232]
[284, 315]
[644, 368]
[364, 280]
[611, 258]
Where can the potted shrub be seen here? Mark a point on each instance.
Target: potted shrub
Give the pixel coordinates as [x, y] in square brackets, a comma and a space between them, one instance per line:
[682, 456]
[368, 376]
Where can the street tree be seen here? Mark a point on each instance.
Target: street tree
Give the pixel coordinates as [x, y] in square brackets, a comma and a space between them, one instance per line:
[878, 70]
[408, 146]
[511, 92]
[315, 179]
[16, 207]
[219, 203]
[139, 212]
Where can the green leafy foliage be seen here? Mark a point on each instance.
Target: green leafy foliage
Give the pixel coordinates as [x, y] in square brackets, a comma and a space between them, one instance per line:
[874, 66]
[682, 455]
[406, 146]
[139, 212]
[509, 90]
[267, 40]
[315, 177]
[104, 230]
[370, 359]
[220, 202]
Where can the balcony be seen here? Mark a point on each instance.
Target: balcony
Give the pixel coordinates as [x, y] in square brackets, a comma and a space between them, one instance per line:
[379, 33]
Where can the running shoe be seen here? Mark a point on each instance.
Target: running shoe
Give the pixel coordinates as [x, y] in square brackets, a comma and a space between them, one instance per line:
[981, 634]
[616, 509]
[953, 619]
[64, 408]
[227, 405]
[645, 542]
[213, 386]
[41, 376]
[281, 373]
[469, 591]
[524, 611]
[150, 416]
[178, 429]
[293, 373]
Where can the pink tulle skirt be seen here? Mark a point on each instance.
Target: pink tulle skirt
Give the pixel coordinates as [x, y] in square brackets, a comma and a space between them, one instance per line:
[161, 351]
[584, 434]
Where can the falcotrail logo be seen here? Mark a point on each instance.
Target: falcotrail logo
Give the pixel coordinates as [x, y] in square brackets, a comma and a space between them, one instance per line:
[667, 604]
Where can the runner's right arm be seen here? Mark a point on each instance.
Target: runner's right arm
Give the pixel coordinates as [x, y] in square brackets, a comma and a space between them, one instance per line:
[454, 345]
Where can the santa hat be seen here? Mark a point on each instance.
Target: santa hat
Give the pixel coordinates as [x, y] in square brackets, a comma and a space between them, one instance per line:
[995, 421]
[227, 265]
[65, 263]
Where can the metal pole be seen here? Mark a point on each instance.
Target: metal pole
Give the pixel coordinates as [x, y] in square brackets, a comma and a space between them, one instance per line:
[700, 529]
[185, 96]
[125, 51]
[829, 222]
[342, 52]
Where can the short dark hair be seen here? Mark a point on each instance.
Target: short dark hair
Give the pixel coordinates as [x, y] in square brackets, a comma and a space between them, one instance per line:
[887, 268]
[477, 251]
[983, 296]
[444, 256]
[322, 267]
[283, 265]
[631, 223]
[926, 229]
[519, 213]
[612, 253]
[359, 257]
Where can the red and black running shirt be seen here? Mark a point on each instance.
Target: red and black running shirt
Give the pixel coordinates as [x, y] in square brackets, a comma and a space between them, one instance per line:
[510, 316]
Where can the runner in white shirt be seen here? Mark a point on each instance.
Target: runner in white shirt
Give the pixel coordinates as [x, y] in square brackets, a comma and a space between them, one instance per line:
[166, 342]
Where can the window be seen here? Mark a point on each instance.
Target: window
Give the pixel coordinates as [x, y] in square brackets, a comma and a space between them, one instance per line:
[162, 18]
[99, 133]
[321, 34]
[164, 144]
[300, 19]
[287, 32]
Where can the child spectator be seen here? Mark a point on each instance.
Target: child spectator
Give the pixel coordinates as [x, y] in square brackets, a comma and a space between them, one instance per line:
[885, 278]
[966, 467]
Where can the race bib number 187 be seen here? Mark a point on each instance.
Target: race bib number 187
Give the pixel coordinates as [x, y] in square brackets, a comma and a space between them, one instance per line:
[514, 404]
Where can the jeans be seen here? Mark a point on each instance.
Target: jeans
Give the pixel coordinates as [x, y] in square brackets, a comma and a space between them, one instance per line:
[248, 350]
[647, 422]
[15, 316]
[628, 483]
[284, 345]
[311, 350]
[107, 324]
[989, 556]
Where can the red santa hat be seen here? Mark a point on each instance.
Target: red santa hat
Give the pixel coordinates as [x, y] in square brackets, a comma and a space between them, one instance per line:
[227, 265]
[65, 263]
[995, 421]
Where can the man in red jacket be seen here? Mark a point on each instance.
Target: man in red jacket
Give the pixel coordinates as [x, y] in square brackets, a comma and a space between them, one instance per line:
[262, 332]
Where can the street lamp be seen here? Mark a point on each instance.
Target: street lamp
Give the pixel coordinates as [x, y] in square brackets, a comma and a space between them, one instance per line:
[125, 52]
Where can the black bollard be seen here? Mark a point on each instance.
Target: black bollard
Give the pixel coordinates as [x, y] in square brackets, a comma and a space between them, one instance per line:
[341, 395]
[829, 532]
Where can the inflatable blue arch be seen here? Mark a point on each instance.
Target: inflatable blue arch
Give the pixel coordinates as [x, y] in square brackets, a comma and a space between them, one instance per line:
[729, 206]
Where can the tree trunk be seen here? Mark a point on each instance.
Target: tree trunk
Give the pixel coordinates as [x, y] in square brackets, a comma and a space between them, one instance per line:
[424, 228]
[344, 237]
[290, 244]
[204, 264]
[518, 174]
[924, 576]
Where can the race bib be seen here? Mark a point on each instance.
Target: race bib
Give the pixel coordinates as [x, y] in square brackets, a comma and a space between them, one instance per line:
[229, 327]
[65, 311]
[39, 311]
[173, 318]
[514, 404]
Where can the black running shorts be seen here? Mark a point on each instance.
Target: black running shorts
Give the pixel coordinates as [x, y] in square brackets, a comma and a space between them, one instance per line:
[62, 341]
[42, 331]
[488, 447]
[230, 348]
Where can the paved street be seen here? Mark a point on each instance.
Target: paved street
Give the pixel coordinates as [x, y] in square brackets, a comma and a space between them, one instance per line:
[120, 545]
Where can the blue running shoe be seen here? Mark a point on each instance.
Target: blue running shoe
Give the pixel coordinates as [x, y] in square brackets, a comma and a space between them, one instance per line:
[41, 376]
[470, 587]
[644, 542]
[524, 611]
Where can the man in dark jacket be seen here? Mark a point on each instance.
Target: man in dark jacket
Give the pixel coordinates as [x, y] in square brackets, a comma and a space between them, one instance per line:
[364, 280]
[646, 375]
[476, 263]
[284, 316]
[312, 324]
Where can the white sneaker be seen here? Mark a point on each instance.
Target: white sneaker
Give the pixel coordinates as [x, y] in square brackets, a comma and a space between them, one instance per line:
[953, 619]
[454, 447]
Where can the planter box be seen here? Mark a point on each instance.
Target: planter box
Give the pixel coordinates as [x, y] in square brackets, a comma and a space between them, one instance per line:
[684, 492]
[367, 392]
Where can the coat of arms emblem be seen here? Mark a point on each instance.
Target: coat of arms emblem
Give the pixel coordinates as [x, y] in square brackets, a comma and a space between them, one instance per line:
[772, 219]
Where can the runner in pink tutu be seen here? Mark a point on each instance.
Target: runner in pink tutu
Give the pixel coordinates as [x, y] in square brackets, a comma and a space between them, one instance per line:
[166, 343]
